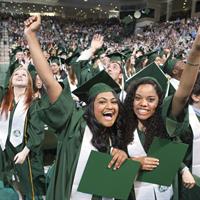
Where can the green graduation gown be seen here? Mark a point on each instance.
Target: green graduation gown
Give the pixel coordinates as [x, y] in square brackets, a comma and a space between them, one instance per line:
[68, 120]
[64, 117]
[35, 136]
[193, 193]
[174, 128]
[84, 71]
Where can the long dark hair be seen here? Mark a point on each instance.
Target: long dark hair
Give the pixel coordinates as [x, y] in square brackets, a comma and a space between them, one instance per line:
[154, 125]
[196, 90]
[119, 137]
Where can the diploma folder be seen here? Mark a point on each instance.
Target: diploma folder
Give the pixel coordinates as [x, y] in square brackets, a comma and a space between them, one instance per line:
[98, 179]
[170, 155]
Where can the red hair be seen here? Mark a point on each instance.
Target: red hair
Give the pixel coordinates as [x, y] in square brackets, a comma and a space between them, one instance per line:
[8, 99]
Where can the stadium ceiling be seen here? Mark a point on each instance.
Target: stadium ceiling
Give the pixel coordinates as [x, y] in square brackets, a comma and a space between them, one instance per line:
[89, 8]
[109, 4]
[84, 3]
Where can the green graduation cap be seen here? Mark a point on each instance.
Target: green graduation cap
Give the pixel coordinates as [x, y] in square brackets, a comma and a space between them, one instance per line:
[138, 62]
[169, 65]
[16, 50]
[102, 82]
[151, 71]
[127, 52]
[117, 57]
[151, 56]
[120, 59]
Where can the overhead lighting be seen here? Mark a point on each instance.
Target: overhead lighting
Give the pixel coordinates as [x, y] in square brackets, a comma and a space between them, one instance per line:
[85, 0]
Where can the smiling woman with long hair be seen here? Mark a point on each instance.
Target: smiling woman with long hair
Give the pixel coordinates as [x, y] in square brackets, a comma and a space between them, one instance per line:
[100, 127]
[21, 137]
[151, 115]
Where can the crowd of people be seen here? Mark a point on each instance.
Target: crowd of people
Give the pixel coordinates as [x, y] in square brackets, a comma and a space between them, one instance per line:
[57, 32]
[80, 80]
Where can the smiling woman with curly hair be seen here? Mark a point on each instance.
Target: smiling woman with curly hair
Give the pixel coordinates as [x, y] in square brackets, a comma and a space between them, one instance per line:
[150, 115]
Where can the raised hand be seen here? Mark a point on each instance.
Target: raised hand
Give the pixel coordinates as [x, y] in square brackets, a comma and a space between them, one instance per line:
[32, 24]
[97, 42]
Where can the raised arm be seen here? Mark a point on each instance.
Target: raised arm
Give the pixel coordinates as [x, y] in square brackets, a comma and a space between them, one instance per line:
[96, 43]
[32, 25]
[188, 78]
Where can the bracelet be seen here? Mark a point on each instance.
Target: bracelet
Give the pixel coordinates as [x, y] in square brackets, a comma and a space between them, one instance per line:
[192, 64]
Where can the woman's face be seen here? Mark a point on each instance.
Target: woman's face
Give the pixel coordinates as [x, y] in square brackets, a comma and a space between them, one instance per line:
[106, 108]
[55, 68]
[38, 82]
[145, 101]
[20, 78]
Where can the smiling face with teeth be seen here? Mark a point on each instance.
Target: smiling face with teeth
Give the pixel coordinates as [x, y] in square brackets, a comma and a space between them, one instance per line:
[145, 101]
[106, 108]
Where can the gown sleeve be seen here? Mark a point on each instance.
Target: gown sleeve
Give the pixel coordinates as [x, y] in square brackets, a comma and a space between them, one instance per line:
[174, 126]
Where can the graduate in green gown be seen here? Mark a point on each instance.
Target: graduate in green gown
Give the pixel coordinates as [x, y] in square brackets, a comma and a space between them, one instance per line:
[21, 137]
[149, 115]
[190, 189]
[98, 127]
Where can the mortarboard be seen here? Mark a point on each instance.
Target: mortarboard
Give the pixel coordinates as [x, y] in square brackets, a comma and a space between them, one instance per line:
[102, 82]
[16, 50]
[120, 59]
[151, 56]
[151, 71]
[169, 65]
[117, 57]
[127, 52]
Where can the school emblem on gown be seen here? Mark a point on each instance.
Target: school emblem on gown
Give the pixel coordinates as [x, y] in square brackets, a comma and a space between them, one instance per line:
[16, 133]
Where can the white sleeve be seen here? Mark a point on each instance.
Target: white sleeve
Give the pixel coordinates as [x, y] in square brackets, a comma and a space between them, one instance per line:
[85, 55]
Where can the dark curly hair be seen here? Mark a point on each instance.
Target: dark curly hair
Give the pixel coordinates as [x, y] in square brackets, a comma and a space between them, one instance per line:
[119, 137]
[196, 89]
[154, 125]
